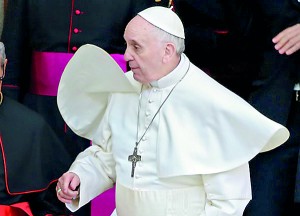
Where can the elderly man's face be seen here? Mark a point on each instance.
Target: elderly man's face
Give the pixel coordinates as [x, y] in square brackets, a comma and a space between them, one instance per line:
[144, 50]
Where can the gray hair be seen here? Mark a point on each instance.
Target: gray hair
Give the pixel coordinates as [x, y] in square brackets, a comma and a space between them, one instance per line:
[2, 54]
[167, 37]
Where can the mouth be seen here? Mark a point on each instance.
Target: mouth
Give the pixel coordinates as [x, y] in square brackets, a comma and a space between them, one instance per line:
[133, 68]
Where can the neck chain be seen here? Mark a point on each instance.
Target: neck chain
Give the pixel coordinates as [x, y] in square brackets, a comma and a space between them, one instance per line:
[134, 158]
[1, 98]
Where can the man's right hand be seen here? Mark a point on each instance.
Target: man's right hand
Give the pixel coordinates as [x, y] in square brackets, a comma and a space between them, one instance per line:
[67, 188]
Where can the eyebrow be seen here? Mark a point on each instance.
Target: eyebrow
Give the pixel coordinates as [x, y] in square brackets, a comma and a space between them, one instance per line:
[134, 42]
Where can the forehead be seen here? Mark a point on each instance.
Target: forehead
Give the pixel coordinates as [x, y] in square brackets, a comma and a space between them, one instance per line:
[138, 27]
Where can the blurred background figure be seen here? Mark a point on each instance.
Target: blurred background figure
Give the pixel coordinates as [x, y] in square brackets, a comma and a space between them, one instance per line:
[252, 47]
[217, 42]
[274, 93]
[30, 163]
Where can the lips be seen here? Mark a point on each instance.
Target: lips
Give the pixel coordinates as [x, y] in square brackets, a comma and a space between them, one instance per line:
[133, 67]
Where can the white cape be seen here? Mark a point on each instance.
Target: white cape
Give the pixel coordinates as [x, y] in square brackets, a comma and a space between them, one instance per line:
[219, 130]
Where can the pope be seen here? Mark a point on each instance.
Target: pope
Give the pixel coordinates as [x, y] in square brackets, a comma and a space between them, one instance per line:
[172, 139]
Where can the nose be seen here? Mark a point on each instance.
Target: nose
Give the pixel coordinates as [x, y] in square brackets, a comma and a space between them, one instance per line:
[127, 55]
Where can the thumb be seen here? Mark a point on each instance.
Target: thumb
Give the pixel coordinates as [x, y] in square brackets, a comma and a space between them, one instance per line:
[74, 183]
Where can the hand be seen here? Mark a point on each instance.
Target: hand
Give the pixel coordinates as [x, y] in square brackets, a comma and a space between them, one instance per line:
[288, 40]
[66, 187]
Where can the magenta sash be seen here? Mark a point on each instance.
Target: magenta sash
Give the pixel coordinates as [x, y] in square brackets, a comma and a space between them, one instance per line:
[47, 68]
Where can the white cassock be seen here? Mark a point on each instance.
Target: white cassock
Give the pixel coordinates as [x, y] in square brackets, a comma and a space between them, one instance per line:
[194, 155]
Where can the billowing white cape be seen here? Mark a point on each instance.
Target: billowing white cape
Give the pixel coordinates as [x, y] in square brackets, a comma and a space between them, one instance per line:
[219, 130]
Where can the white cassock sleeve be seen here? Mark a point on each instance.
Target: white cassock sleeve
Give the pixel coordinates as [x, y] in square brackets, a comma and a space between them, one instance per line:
[228, 193]
[95, 167]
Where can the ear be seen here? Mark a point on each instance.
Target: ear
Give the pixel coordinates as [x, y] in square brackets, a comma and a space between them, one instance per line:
[170, 52]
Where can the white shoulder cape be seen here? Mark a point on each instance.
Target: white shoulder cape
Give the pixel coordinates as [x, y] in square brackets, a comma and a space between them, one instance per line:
[224, 131]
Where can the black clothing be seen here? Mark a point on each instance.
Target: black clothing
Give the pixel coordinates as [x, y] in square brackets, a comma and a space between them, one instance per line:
[274, 173]
[217, 42]
[244, 60]
[33, 158]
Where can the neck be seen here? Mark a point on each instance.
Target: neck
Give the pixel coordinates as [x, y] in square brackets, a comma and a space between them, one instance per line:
[167, 69]
[174, 62]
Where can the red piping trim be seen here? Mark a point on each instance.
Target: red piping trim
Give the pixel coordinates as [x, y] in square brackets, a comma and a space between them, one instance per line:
[221, 31]
[70, 28]
[10, 86]
[6, 176]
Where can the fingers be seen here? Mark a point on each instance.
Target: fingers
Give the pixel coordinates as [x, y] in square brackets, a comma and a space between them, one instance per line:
[288, 41]
[74, 184]
[65, 187]
[58, 190]
[68, 196]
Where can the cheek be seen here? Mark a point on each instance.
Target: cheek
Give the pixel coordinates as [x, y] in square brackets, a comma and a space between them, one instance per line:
[154, 63]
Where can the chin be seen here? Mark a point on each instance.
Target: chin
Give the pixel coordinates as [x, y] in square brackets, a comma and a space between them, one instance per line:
[136, 77]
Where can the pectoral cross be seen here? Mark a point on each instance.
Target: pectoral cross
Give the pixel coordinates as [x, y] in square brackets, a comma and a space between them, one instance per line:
[134, 158]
